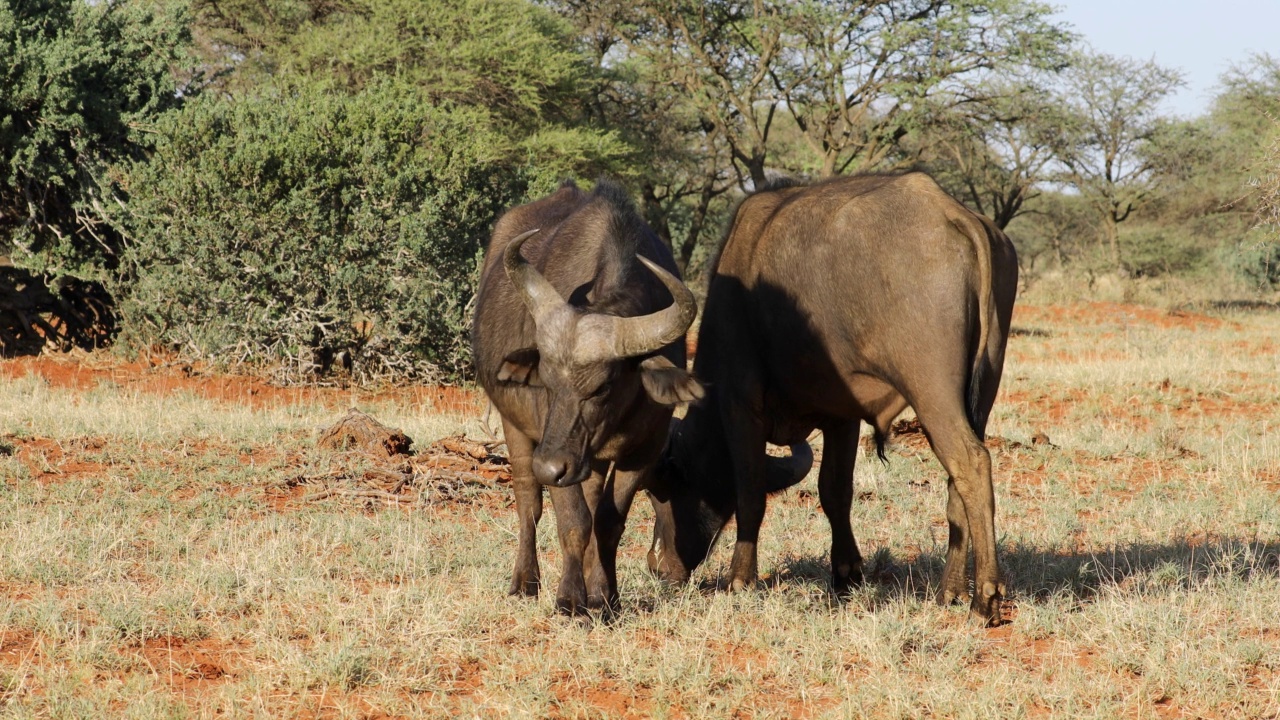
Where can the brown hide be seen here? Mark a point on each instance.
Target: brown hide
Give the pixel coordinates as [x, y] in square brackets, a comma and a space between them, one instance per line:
[568, 414]
[834, 304]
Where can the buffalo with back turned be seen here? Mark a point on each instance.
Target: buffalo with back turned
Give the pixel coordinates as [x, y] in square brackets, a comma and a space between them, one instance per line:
[578, 341]
[830, 305]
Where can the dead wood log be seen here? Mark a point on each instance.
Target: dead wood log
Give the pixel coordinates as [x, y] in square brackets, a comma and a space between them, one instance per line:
[460, 445]
[358, 431]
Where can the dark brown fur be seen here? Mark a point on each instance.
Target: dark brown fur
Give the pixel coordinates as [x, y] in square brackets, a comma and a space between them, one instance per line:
[833, 304]
[577, 418]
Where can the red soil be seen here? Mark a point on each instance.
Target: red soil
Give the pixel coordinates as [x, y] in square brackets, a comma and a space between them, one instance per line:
[607, 698]
[49, 460]
[82, 372]
[190, 667]
[18, 648]
[196, 666]
[1106, 313]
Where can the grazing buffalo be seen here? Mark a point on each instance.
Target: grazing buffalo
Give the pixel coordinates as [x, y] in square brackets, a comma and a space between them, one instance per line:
[832, 304]
[579, 342]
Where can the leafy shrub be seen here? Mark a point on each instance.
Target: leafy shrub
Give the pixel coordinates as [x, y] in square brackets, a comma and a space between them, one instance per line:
[1151, 250]
[80, 82]
[1256, 259]
[299, 223]
[1261, 258]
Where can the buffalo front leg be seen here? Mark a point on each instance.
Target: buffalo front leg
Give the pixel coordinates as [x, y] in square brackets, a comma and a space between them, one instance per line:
[525, 579]
[597, 584]
[835, 491]
[573, 522]
[746, 447]
[619, 490]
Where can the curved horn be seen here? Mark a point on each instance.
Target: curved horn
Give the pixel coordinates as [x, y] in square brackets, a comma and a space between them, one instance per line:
[621, 337]
[537, 293]
[783, 472]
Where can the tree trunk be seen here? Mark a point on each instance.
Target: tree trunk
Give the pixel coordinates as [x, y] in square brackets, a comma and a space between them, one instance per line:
[655, 213]
[1111, 227]
[755, 166]
[829, 163]
[696, 224]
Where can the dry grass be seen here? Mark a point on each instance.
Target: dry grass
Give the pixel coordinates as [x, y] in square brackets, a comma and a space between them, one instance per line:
[151, 567]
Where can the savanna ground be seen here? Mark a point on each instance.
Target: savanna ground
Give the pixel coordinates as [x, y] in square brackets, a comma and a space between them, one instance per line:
[167, 549]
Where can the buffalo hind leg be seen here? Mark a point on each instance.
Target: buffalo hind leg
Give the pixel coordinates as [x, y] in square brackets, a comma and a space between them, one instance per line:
[955, 581]
[835, 491]
[968, 464]
[573, 523]
[525, 579]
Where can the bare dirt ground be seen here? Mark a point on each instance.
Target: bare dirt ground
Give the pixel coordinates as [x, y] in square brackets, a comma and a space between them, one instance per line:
[174, 544]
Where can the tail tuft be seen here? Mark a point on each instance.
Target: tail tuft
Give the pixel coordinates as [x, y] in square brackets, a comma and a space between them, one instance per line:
[880, 438]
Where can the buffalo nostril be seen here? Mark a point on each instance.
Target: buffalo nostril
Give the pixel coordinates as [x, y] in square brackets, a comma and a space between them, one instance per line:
[549, 471]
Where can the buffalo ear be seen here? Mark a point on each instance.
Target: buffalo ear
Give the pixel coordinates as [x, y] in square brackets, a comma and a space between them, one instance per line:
[520, 368]
[667, 384]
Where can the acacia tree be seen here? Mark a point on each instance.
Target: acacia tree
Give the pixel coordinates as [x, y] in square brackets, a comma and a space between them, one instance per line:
[1268, 186]
[332, 199]
[1202, 163]
[683, 192]
[720, 55]
[994, 152]
[1114, 106]
[853, 77]
[680, 162]
[721, 94]
[82, 84]
[862, 75]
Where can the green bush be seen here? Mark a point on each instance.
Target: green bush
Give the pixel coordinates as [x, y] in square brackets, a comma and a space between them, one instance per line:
[1256, 259]
[1260, 254]
[80, 84]
[1150, 250]
[298, 223]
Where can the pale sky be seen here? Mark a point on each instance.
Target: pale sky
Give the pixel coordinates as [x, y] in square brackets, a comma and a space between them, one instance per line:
[1202, 39]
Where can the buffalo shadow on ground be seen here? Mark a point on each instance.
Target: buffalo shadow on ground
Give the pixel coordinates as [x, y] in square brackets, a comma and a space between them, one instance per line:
[1036, 574]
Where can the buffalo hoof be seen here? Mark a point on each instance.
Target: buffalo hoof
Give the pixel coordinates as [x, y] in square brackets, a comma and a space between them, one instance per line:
[740, 584]
[571, 597]
[607, 606]
[572, 607]
[985, 610]
[598, 600]
[598, 591]
[672, 578]
[955, 585]
[524, 585]
[844, 583]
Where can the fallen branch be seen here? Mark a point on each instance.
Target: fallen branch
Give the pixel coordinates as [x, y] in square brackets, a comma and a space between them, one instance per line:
[357, 493]
[455, 468]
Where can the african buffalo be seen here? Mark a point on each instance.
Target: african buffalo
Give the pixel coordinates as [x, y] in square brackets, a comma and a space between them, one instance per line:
[581, 349]
[831, 304]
